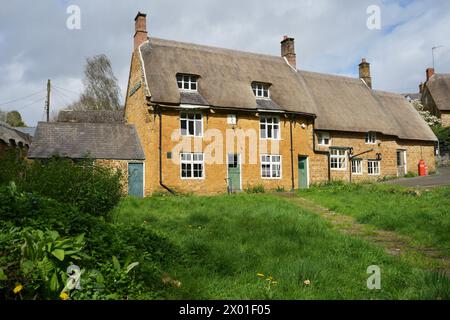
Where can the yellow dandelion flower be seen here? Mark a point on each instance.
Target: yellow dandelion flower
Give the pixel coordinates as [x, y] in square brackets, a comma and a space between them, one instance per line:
[18, 288]
[64, 296]
[261, 275]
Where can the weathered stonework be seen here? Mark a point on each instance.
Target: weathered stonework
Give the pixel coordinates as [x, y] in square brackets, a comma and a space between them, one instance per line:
[146, 119]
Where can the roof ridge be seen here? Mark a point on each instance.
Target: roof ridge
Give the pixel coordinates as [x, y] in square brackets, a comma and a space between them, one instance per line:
[329, 75]
[188, 45]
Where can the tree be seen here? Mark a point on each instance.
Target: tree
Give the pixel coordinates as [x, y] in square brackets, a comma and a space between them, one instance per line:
[101, 89]
[430, 119]
[14, 119]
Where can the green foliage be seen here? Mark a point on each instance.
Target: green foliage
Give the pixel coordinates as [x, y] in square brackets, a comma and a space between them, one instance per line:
[411, 174]
[38, 260]
[14, 119]
[45, 258]
[94, 189]
[255, 189]
[443, 135]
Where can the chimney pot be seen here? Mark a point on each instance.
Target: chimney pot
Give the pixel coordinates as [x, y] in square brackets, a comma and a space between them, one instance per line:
[430, 73]
[364, 72]
[288, 51]
[140, 28]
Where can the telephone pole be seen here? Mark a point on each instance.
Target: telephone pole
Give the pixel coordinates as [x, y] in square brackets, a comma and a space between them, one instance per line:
[47, 102]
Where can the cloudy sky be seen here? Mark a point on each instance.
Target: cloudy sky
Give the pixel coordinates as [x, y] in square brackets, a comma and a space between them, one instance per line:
[331, 36]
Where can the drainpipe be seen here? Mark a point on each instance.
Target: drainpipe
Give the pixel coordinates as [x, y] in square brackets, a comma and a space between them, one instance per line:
[292, 154]
[327, 153]
[160, 154]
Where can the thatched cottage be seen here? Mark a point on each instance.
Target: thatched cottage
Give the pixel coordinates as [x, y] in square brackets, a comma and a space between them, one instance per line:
[435, 95]
[212, 119]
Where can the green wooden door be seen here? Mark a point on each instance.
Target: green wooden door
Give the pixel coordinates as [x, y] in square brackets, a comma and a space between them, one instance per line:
[136, 179]
[302, 172]
[234, 172]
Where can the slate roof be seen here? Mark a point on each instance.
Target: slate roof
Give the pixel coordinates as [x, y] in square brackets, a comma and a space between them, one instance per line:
[11, 136]
[225, 77]
[92, 116]
[439, 87]
[115, 141]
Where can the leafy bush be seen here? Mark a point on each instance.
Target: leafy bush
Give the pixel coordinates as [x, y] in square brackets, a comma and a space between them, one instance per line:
[94, 189]
[38, 271]
[255, 189]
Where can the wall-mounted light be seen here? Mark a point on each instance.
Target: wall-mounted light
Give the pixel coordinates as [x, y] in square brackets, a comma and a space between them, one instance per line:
[379, 156]
[303, 126]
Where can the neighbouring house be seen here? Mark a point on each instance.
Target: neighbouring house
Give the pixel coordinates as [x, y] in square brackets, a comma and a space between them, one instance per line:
[27, 130]
[99, 135]
[435, 95]
[13, 139]
[212, 120]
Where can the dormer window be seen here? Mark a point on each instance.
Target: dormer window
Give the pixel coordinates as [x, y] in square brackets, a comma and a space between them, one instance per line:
[187, 82]
[261, 90]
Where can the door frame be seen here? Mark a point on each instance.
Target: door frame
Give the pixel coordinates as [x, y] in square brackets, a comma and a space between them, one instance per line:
[240, 169]
[143, 175]
[307, 170]
[403, 151]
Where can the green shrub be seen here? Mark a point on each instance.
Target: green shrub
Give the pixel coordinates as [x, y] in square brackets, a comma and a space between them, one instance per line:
[411, 174]
[12, 166]
[259, 188]
[92, 188]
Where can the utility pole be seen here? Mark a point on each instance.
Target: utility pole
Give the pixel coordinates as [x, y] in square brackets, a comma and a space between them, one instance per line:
[47, 102]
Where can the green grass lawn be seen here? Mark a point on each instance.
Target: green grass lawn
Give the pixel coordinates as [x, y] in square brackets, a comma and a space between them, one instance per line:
[226, 240]
[423, 215]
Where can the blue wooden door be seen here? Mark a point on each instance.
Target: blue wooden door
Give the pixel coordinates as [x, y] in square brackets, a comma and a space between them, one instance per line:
[136, 179]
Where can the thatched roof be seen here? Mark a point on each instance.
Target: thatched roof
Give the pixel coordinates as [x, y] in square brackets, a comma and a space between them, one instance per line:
[225, 78]
[225, 75]
[347, 104]
[92, 116]
[13, 137]
[439, 87]
[78, 140]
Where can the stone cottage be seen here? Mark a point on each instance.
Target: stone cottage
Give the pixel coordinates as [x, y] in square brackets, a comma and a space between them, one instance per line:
[98, 135]
[212, 119]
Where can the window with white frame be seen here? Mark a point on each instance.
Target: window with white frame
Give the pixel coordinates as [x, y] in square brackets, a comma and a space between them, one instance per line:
[371, 138]
[187, 82]
[269, 127]
[261, 90]
[338, 159]
[357, 166]
[192, 166]
[191, 124]
[231, 119]
[373, 167]
[270, 166]
[323, 138]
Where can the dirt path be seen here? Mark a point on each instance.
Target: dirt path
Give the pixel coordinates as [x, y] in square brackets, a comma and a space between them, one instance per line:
[394, 244]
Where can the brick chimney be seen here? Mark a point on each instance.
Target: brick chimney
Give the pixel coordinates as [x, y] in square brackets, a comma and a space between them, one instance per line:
[364, 72]
[288, 51]
[140, 26]
[430, 73]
